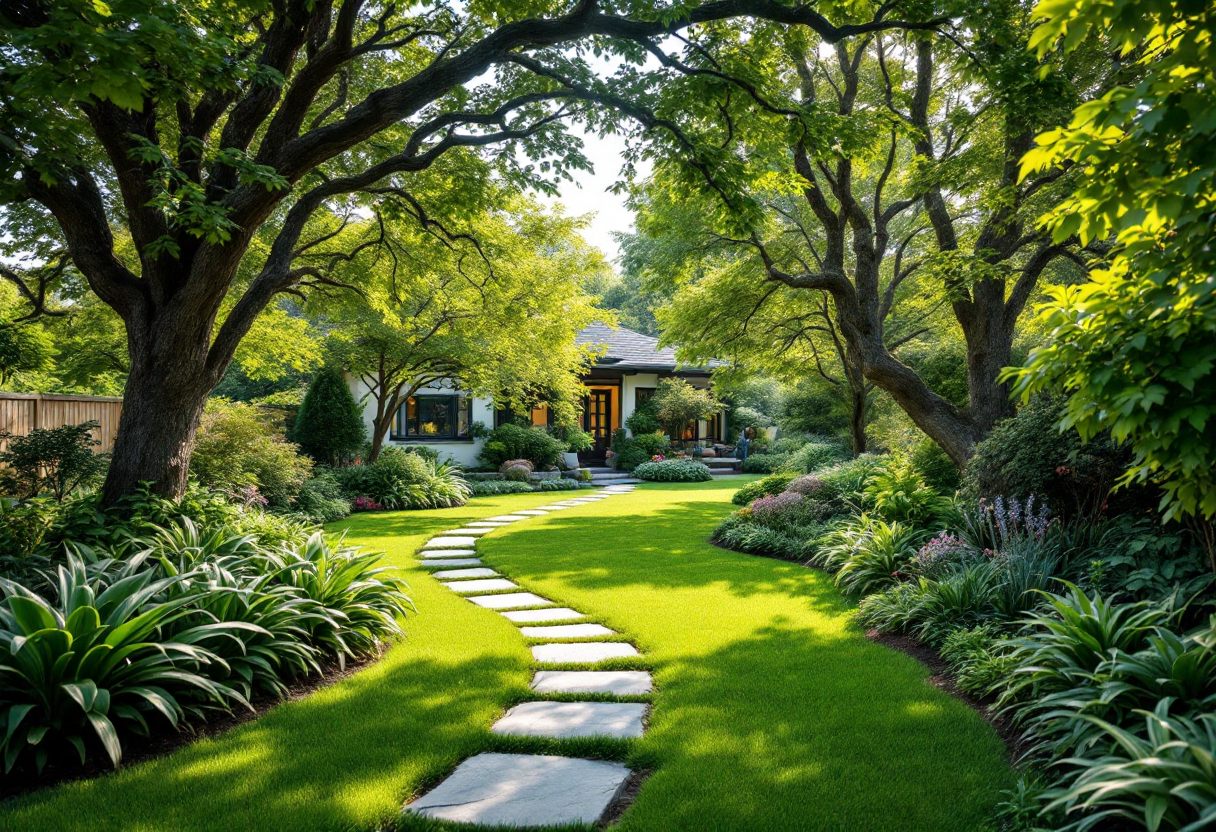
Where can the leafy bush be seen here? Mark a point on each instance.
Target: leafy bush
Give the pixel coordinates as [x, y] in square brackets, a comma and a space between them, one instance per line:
[764, 463]
[329, 426]
[22, 527]
[743, 417]
[562, 484]
[935, 467]
[677, 404]
[90, 664]
[869, 554]
[673, 470]
[942, 554]
[321, 499]
[517, 470]
[774, 484]
[483, 488]
[59, 460]
[847, 480]
[235, 448]
[1029, 455]
[632, 452]
[976, 658]
[898, 494]
[643, 420]
[534, 444]
[399, 479]
[813, 456]
[742, 535]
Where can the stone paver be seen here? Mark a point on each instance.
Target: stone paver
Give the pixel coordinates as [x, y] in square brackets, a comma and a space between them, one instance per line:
[488, 524]
[524, 790]
[450, 542]
[616, 682]
[455, 574]
[554, 614]
[467, 531]
[505, 518]
[554, 507]
[449, 562]
[512, 600]
[491, 585]
[568, 720]
[564, 630]
[584, 653]
[532, 512]
[446, 553]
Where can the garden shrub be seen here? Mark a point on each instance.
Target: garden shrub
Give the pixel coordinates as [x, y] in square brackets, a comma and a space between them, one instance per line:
[561, 484]
[534, 444]
[764, 463]
[869, 554]
[517, 470]
[813, 456]
[235, 448]
[673, 470]
[847, 480]
[322, 500]
[742, 535]
[898, 494]
[677, 404]
[632, 452]
[55, 460]
[483, 488]
[329, 426]
[935, 467]
[399, 479]
[976, 658]
[1028, 454]
[643, 419]
[773, 484]
[203, 617]
[743, 417]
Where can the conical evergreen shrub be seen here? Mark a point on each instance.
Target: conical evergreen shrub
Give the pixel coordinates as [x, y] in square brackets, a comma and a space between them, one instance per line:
[329, 426]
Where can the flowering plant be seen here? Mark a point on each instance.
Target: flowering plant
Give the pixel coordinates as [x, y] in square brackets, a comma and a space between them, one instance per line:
[657, 458]
[776, 506]
[366, 504]
[940, 553]
[250, 497]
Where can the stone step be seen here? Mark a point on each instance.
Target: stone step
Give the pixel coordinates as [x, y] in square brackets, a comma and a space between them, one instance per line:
[616, 682]
[720, 461]
[466, 532]
[450, 562]
[530, 512]
[554, 507]
[447, 553]
[622, 481]
[511, 600]
[503, 518]
[464, 574]
[600, 469]
[565, 630]
[726, 473]
[490, 585]
[588, 652]
[539, 616]
[572, 720]
[488, 524]
[524, 790]
[461, 542]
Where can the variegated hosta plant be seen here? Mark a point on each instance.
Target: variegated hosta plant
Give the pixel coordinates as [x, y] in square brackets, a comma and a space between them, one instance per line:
[91, 665]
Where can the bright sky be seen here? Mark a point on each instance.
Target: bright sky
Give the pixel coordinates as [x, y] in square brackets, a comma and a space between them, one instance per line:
[589, 193]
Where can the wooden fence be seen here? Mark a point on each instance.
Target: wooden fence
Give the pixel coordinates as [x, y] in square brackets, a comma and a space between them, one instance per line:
[21, 413]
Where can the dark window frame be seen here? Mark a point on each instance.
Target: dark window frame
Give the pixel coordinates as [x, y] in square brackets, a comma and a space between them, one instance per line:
[401, 429]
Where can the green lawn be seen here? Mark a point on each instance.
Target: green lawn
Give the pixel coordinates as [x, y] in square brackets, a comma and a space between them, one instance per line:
[772, 711]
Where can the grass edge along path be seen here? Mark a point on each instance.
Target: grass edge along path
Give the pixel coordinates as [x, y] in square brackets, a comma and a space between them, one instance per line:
[772, 712]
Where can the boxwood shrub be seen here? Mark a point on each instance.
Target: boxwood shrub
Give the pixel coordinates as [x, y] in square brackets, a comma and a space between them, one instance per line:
[673, 470]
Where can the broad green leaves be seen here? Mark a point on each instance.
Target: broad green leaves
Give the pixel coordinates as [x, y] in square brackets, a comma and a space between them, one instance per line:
[1134, 346]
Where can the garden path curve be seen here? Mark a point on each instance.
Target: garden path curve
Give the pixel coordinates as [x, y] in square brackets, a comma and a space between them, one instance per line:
[534, 790]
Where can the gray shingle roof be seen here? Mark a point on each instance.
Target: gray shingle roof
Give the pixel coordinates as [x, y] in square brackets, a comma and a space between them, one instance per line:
[629, 350]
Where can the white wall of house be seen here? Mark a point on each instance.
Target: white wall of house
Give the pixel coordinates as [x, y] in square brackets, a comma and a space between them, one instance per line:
[463, 451]
[631, 383]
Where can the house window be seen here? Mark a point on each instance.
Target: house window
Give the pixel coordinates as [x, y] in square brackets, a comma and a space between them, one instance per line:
[434, 417]
[641, 395]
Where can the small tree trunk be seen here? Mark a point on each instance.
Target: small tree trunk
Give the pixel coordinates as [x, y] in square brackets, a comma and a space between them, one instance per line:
[857, 421]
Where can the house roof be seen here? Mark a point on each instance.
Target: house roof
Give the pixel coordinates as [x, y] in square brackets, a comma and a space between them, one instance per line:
[629, 350]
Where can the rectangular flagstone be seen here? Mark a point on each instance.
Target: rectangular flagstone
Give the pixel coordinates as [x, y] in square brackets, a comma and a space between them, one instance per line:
[532, 512]
[446, 553]
[491, 585]
[459, 574]
[585, 653]
[524, 790]
[533, 616]
[487, 524]
[450, 562]
[467, 531]
[569, 720]
[505, 518]
[616, 682]
[554, 507]
[511, 600]
[450, 542]
[566, 630]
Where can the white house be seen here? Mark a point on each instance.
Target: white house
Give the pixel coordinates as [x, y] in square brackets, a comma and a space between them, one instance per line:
[625, 375]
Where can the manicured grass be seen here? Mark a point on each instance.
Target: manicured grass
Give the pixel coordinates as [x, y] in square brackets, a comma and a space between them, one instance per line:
[773, 711]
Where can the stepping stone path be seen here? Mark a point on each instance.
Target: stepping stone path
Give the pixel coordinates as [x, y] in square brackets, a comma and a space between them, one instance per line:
[534, 790]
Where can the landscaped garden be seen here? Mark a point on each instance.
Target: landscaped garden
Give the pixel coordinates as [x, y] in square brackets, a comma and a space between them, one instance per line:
[769, 700]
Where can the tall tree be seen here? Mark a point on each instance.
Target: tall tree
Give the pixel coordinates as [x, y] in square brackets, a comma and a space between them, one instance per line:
[869, 163]
[497, 312]
[200, 127]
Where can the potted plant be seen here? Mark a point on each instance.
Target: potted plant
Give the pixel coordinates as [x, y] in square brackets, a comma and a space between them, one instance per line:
[576, 442]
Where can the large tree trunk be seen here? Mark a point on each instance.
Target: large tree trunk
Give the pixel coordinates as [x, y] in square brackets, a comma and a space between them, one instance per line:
[163, 401]
[989, 350]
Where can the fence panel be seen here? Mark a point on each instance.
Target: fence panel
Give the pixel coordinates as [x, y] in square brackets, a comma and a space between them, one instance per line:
[21, 413]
